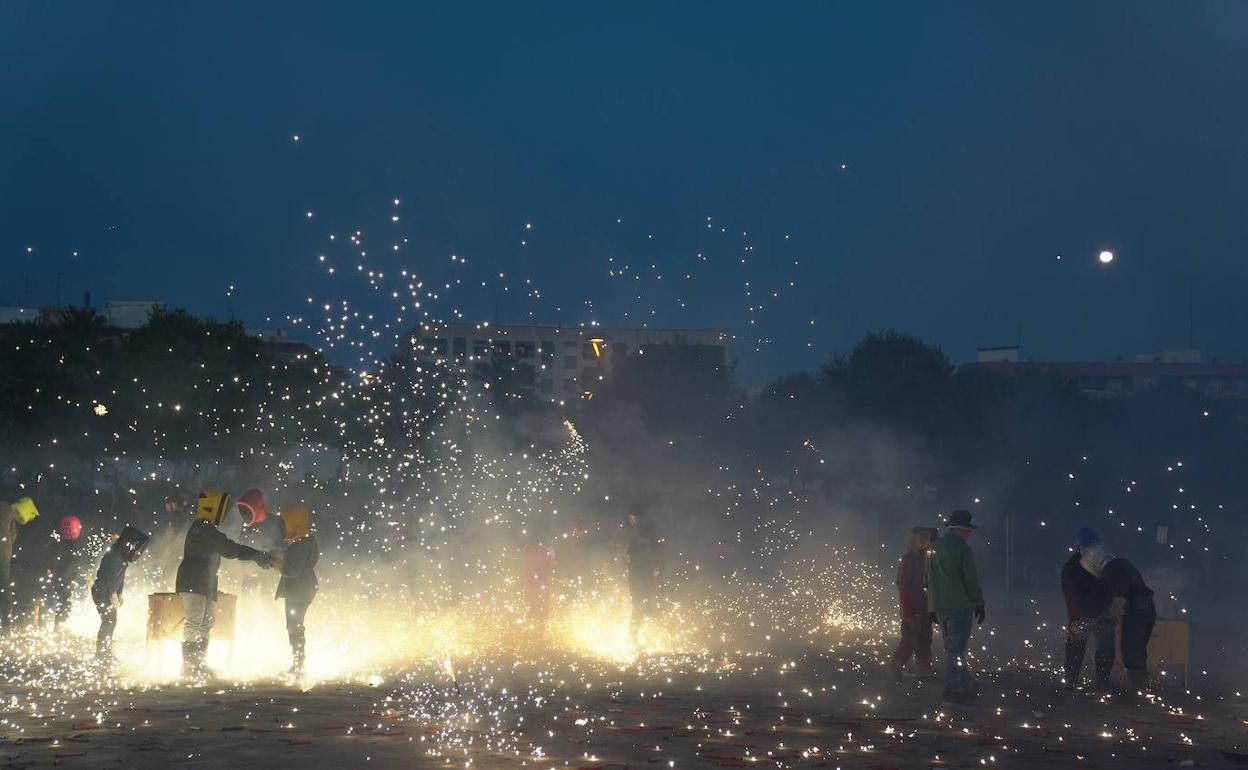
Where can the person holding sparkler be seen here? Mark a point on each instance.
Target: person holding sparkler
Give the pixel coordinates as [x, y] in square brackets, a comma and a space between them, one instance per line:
[954, 596]
[916, 624]
[298, 584]
[197, 576]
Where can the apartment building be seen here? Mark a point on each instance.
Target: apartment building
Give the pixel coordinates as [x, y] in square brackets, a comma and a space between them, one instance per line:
[566, 361]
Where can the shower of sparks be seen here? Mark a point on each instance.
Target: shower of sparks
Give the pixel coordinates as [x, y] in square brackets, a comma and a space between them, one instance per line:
[423, 606]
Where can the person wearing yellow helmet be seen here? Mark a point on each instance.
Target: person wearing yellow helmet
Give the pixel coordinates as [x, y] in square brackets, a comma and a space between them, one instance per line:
[12, 515]
[298, 584]
[196, 584]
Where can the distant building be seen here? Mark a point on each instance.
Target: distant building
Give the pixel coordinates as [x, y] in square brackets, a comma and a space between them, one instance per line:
[277, 343]
[117, 313]
[567, 361]
[990, 355]
[1169, 368]
[12, 314]
[129, 313]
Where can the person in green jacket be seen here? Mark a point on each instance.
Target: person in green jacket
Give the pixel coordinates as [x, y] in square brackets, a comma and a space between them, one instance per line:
[954, 597]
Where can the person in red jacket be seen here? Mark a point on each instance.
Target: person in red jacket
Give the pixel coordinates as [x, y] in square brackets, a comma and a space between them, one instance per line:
[916, 625]
[1087, 618]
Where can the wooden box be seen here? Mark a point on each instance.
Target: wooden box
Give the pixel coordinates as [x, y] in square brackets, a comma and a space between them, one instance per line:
[1167, 647]
[165, 616]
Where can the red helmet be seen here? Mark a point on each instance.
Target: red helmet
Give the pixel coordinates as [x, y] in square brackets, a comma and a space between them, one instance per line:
[70, 527]
[251, 505]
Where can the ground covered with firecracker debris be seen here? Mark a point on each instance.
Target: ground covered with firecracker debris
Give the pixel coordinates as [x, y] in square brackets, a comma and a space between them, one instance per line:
[832, 709]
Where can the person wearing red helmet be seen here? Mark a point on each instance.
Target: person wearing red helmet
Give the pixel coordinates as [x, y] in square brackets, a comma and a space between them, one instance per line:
[260, 531]
[63, 575]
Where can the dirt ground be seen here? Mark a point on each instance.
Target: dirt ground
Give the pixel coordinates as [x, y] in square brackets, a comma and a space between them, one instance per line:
[819, 708]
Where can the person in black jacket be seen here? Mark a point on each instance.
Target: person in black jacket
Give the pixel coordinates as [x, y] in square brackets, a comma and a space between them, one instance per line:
[645, 565]
[1133, 602]
[1087, 616]
[110, 579]
[260, 531]
[298, 584]
[197, 576]
[63, 574]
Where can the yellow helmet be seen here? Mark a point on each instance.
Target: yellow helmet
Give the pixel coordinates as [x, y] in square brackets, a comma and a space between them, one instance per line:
[212, 506]
[26, 510]
[295, 519]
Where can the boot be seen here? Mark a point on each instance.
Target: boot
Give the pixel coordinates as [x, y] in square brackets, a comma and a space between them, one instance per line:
[193, 666]
[190, 665]
[104, 650]
[201, 657]
[297, 644]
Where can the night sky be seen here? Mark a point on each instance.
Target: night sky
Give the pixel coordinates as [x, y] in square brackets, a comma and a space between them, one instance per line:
[928, 163]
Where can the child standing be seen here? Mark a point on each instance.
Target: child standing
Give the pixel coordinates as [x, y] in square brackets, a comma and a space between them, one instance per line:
[110, 579]
[298, 584]
[916, 625]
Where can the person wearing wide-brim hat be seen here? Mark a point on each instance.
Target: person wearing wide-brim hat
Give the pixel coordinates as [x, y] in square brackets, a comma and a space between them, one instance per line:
[955, 598]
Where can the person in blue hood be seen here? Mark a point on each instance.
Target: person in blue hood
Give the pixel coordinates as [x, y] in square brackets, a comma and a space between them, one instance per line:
[1087, 617]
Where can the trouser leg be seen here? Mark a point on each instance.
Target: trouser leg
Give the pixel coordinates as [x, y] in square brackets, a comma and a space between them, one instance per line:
[295, 613]
[923, 645]
[197, 611]
[63, 597]
[956, 628]
[108, 623]
[907, 645]
[6, 595]
[1076, 648]
[1103, 633]
[1137, 627]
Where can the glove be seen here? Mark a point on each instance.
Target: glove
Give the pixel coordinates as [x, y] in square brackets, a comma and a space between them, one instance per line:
[264, 559]
[980, 614]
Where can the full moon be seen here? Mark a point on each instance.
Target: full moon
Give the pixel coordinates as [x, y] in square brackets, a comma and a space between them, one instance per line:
[1106, 257]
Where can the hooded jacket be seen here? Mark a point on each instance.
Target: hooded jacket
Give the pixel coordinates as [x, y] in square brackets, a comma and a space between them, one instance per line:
[911, 579]
[952, 580]
[1125, 580]
[66, 556]
[1087, 596]
[110, 578]
[298, 584]
[201, 558]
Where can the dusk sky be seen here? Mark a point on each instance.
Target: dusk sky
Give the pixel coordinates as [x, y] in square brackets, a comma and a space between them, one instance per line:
[928, 163]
